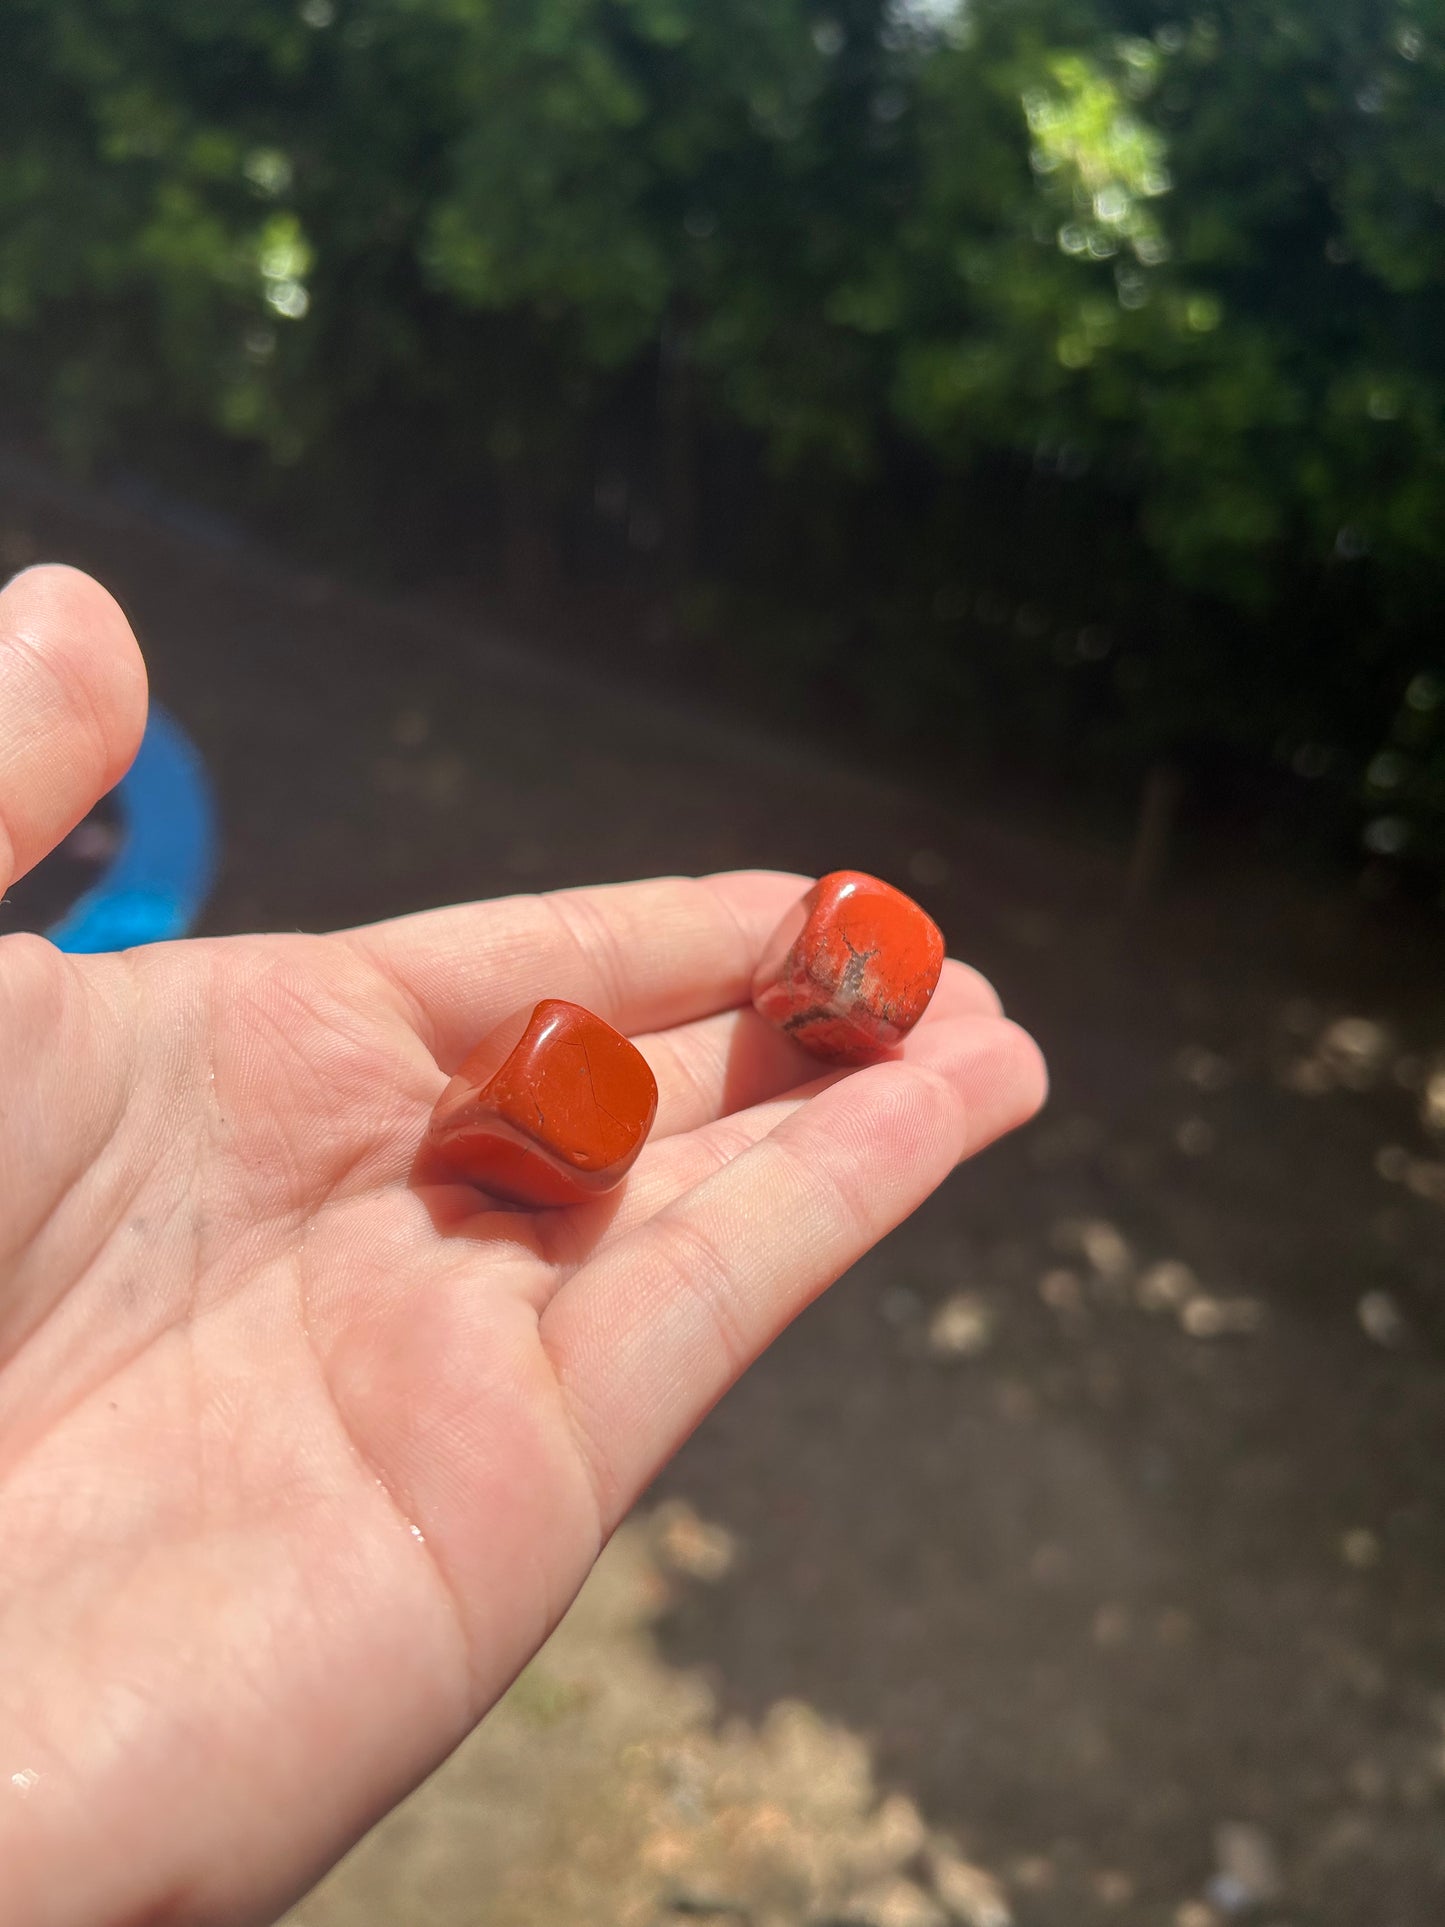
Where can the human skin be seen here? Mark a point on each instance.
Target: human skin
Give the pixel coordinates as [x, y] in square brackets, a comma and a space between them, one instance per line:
[304, 1449]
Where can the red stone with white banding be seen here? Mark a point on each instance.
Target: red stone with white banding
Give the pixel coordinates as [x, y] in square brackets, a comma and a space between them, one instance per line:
[851, 968]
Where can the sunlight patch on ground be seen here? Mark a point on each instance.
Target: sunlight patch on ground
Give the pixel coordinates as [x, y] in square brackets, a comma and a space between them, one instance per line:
[604, 1789]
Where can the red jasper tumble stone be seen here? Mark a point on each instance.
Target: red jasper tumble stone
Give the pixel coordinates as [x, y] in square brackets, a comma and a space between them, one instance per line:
[849, 971]
[551, 1108]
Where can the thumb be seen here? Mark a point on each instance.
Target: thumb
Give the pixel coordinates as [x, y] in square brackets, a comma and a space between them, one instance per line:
[72, 708]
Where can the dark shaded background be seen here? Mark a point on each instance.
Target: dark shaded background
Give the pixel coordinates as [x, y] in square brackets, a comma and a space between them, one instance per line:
[1049, 386]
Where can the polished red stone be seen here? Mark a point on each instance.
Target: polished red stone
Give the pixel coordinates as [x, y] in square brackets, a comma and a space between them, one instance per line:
[849, 971]
[551, 1108]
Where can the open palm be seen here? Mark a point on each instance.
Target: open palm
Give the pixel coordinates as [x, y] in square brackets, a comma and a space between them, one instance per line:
[303, 1450]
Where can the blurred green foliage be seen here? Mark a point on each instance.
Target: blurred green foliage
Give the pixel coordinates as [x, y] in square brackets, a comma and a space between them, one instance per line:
[1087, 357]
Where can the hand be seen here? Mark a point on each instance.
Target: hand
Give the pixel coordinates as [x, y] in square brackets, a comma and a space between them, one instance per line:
[302, 1451]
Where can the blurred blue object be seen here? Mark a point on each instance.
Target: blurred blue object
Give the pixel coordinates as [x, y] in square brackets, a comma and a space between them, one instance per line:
[158, 883]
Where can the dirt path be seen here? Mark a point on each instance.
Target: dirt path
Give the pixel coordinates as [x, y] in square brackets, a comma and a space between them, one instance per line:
[1095, 1524]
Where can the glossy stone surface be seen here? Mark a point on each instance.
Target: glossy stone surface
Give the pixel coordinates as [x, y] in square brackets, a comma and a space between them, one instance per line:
[551, 1108]
[849, 971]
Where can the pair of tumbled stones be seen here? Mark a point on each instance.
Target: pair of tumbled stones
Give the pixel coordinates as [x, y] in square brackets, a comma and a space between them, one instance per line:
[554, 1106]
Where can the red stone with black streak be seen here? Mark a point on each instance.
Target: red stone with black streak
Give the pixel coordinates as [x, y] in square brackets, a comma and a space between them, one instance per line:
[849, 971]
[549, 1109]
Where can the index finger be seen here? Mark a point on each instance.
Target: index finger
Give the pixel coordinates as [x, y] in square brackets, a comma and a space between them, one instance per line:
[644, 956]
